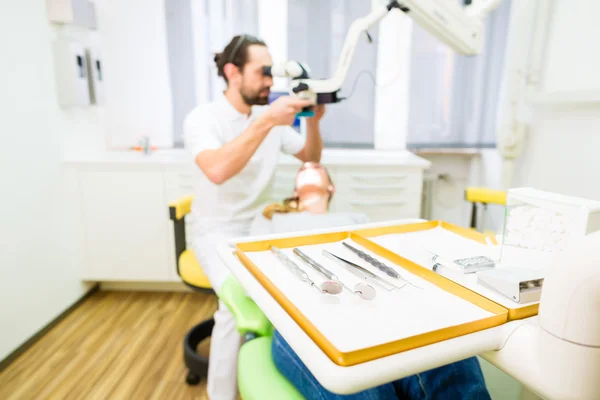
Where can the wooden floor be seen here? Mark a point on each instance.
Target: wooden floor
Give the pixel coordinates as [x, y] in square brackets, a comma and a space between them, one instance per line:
[116, 345]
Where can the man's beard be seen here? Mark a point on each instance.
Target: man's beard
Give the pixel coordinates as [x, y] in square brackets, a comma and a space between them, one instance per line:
[255, 99]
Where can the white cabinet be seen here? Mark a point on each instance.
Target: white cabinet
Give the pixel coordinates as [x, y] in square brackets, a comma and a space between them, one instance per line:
[125, 220]
[380, 192]
[127, 234]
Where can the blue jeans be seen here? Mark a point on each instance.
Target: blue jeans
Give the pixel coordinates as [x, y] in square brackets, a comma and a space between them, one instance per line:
[460, 380]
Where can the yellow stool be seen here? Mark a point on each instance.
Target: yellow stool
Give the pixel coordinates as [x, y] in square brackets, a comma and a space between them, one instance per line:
[483, 196]
[192, 275]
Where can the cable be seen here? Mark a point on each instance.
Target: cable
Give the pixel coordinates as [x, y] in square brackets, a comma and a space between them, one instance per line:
[366, 71]
[356, 81]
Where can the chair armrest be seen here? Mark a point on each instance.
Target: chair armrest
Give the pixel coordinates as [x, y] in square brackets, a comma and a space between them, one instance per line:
[248, 317]
[485, 196]
[177, 212]
[180, 207]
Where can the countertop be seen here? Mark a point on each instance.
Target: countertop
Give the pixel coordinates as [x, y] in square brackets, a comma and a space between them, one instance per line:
[330, 157]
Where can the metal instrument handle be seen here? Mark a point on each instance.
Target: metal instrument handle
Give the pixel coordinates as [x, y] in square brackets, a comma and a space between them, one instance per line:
[355, 269]
[315, 265]
[376, 263]
[299, 272]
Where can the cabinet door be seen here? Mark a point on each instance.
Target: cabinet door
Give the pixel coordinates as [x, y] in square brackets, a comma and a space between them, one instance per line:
[125, 219]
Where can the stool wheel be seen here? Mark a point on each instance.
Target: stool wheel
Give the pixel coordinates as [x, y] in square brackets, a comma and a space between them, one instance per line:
[197, 365]
[192, 379]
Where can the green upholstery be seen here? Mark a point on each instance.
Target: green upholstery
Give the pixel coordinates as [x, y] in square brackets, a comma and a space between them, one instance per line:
[258, 378]
[248, 317]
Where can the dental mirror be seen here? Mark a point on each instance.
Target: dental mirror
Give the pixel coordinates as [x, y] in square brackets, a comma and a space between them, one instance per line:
[366, 292]
[331, 287]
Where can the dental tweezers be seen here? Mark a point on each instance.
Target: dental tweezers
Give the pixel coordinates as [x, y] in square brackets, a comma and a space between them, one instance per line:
[361, 272]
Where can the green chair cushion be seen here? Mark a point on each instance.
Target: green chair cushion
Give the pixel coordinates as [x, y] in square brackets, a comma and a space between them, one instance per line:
[258, 378]
[248, 317]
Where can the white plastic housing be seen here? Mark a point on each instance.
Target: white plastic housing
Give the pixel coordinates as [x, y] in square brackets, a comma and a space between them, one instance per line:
[570, 302]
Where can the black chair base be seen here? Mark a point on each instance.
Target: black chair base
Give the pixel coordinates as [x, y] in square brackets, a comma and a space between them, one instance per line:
[197, 365]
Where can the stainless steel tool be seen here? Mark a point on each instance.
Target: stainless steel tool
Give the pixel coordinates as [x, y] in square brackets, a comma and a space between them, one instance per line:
[363, 290]
[330, 287]
[377, 264]
[361, 272]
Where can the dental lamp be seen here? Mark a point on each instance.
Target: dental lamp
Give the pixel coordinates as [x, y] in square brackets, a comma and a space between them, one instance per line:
[461, 28]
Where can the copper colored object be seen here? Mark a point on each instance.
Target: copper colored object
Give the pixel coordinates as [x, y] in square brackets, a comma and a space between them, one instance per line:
[313, 178]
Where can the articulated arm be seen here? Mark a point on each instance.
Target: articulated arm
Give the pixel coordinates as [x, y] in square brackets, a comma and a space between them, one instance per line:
[324, 91]
[461, 28]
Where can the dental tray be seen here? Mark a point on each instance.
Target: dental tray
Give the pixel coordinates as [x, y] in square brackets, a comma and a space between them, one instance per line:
[351, 330]
[415, 242]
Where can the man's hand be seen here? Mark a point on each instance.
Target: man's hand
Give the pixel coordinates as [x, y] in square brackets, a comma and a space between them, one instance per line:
[319, 110]
[283, 110]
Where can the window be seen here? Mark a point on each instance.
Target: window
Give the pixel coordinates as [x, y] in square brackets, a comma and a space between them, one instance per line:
[452, 97]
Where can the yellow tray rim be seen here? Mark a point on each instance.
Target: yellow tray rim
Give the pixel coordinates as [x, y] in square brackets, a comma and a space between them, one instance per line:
[386, 349]
[514, 313]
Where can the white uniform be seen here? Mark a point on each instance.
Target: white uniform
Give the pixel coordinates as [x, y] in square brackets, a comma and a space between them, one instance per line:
[220, 212]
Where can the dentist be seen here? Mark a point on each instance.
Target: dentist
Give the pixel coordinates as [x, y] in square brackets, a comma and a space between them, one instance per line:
[236, 142]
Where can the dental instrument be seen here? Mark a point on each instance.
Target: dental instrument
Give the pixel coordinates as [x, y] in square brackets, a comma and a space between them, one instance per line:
[521, 285]
[366, 292]
[361, 272]
[328, 287]
[377, 264]
[467, 265]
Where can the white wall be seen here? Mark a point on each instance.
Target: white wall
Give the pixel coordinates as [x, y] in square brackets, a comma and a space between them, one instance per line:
[133, 42]
[393, 75]
[272, 28]
[561, 145]
[573, 30]
[562, 152]
[39, 273]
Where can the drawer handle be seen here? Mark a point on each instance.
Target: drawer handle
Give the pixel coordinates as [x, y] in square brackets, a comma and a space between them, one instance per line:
[378, 187]
[186, 187]
[371, 178]
[377, 203]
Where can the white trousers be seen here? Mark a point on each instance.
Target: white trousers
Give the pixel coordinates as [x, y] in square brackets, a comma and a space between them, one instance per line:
[225, 339]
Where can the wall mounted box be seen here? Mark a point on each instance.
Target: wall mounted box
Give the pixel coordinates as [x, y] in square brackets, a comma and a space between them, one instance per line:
[71, 73]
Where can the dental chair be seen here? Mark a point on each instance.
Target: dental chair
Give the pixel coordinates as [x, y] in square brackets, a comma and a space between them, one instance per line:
[258, 378]
[190, 272]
